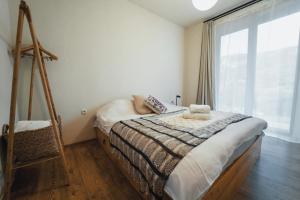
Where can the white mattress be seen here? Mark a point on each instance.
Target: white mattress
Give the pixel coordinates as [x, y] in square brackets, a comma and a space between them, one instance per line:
[198, 170]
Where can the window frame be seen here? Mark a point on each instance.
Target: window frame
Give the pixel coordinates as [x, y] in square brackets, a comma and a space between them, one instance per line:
[280, 10]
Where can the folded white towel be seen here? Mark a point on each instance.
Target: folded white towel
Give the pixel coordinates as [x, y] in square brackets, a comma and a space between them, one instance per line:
[196, 116]
[194, 108]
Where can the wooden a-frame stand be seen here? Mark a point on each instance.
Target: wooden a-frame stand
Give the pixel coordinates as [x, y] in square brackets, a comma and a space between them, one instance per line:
[38, 51]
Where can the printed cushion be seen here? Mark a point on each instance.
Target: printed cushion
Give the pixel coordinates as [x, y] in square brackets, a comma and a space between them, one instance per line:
[155, 105]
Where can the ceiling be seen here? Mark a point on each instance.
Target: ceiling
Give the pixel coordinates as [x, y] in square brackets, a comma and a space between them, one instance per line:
[182, 12]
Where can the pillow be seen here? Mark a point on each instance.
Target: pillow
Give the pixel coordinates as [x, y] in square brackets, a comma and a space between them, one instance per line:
[117, 108]
[155, 105]
[140, 106]
[114, 111]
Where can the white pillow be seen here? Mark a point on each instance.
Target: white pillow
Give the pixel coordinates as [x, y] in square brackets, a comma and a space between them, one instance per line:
[116, 108]
[114, 111]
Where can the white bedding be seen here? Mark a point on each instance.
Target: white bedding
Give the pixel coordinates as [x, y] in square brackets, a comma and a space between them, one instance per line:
[121, 109]
[197, 171]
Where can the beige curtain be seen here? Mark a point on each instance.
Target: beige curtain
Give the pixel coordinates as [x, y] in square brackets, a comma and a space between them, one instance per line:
[206, 84]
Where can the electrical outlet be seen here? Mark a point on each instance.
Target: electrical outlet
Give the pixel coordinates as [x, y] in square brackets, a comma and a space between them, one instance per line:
[83, 111]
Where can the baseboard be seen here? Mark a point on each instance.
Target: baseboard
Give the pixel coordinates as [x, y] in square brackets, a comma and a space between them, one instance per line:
[285, 138]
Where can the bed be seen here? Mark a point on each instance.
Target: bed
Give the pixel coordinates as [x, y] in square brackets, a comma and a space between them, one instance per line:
[208, 167]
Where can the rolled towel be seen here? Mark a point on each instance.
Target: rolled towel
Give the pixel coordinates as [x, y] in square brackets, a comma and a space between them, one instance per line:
[196, 116]
[194, 108]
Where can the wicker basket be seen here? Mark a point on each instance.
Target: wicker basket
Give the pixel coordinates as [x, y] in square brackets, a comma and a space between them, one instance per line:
[34, 144]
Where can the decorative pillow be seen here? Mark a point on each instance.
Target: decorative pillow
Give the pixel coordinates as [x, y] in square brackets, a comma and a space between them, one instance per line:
[155, 105]
[140, 106]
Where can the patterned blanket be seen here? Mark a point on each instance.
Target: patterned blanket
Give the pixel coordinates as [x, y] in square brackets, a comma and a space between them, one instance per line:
[150, 148]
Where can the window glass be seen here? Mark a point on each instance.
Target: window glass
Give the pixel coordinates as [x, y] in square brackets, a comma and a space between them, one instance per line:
[233, 68]
[276, 63]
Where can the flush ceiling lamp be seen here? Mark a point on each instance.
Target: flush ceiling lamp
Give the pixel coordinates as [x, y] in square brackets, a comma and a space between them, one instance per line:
[204, 4]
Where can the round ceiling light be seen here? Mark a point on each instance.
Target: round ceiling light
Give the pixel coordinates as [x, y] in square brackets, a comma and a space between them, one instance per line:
[204, 4]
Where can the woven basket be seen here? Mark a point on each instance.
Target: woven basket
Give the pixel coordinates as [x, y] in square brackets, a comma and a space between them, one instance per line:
[34, 144]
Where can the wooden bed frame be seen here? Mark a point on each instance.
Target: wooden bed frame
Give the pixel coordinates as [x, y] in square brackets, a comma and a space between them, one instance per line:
[225, 187]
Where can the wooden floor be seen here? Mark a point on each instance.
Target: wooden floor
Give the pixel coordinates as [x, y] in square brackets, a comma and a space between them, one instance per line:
[276, 175]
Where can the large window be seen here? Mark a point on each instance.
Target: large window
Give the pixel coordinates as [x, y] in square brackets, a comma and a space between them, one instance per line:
[256, 64]
[233, 71]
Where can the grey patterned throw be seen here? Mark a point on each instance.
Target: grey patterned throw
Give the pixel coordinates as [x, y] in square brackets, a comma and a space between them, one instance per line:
[150, 149]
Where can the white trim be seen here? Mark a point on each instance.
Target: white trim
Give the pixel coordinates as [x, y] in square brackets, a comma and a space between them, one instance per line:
[283, 137]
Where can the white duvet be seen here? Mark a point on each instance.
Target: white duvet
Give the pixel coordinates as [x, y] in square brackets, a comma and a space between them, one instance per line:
[198, 170]
[121, 109]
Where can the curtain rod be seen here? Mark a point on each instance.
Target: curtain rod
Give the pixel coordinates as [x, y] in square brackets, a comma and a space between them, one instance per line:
[250, 3]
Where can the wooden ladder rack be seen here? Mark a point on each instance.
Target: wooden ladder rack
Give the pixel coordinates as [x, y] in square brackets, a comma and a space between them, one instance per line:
[37, 56]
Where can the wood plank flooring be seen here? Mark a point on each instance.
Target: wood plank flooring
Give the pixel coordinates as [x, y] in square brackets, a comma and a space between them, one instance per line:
[276, 175]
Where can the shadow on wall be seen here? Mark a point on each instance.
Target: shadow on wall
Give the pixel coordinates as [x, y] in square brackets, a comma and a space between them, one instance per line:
[82, 126]
[39, 109]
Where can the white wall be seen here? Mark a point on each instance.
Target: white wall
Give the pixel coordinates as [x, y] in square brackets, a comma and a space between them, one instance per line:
[193, 39]
[5, 82]
[5, 72]
[5, 87]
[5, 28]
[107, 49]
[5, 63]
